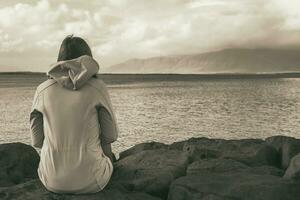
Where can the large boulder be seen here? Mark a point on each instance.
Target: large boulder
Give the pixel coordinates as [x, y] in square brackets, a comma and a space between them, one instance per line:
[142, 147]
[293, 171]
[198, 168]
[203, 141]
[150, 171]
[218, 165]
[221, 165]
[264, 170]
[253, 152]
[34, 189]
[18, 163]
[233, 186]
[287, 147]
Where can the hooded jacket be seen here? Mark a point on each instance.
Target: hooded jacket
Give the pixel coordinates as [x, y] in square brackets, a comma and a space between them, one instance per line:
[71, 114]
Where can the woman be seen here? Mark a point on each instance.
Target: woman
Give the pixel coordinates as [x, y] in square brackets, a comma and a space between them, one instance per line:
[73, 123]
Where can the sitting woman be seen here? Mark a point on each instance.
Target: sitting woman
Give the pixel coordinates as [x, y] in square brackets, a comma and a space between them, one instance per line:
[73, 122]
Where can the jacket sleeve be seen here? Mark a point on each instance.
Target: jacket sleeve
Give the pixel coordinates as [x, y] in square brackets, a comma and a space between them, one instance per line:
[36, 122]
[109, 132]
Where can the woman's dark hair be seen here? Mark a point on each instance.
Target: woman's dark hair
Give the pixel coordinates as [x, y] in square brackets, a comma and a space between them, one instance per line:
[73, 47]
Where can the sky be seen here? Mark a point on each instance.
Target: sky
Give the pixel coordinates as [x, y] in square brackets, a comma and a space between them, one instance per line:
[117, 30]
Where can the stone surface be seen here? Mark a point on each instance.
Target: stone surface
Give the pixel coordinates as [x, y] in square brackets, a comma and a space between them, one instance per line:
[233, 186]
[215, 165]
[293, 171]
[198, 168]
[150, 171]
[265, 170]
[287, 147]
[141, 147]
[34, 189]
[228, 165]
[253, 152]
[18, 163]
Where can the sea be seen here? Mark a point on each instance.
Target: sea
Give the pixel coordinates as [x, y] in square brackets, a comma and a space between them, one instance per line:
[169, 108]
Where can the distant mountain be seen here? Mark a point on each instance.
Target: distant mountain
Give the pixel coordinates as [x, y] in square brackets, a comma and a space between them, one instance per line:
[224, 61]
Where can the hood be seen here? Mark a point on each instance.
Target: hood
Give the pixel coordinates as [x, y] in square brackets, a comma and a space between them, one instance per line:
[73, 74]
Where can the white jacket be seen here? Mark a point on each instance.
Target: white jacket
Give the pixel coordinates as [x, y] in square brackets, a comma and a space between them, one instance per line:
[65, 122]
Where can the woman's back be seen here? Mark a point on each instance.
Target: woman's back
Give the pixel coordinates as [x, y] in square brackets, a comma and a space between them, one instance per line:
[72, 160]
[71, 114]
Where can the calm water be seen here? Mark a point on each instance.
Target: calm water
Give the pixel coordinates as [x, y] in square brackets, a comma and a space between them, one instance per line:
[168, 111]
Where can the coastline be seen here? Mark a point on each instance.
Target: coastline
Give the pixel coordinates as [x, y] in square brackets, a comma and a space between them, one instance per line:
[197, 168]
[17, 79]
[284, 74]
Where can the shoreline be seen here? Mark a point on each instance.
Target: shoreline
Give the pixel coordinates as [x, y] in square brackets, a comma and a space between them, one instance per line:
[189, 169]
[17, 78]
[210, 74]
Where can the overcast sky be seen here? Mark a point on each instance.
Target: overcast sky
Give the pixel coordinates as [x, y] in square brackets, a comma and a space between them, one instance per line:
[31, 30]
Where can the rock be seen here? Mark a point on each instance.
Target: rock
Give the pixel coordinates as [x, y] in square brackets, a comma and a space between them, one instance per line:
[287, 147]
[215, 197]
[199, 153]
[253, 152]
[200, 141]
[150, 171]
[264, 155]
[34, 189]
[215, 165]
[18, 163]
[293, 171]
[233, 186]
[228, 165]
[278, 140]
[199, 168]
[264, 170]
[141, 147]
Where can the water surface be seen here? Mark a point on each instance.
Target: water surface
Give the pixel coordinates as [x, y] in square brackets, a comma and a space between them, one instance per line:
[167, 110]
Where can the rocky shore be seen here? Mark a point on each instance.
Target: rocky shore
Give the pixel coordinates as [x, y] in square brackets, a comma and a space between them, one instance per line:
[198, 168]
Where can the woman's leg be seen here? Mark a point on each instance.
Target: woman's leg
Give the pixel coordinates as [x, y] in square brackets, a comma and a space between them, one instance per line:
[106, 147]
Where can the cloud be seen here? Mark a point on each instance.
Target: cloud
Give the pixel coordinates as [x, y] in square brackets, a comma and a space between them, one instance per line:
[117, 30]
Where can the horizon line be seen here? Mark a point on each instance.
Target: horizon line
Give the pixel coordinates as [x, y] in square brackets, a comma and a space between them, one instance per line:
[210, 73]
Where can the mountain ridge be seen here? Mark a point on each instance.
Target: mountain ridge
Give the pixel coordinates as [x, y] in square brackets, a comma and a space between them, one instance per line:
[232, 60]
